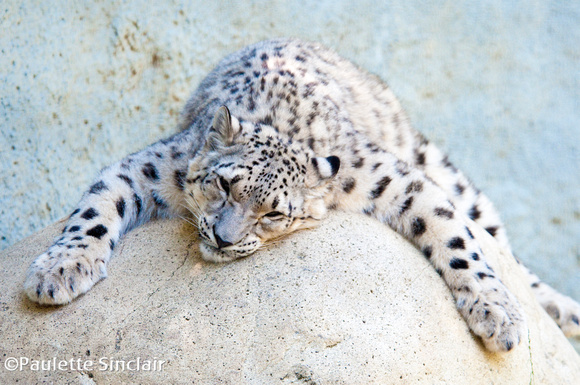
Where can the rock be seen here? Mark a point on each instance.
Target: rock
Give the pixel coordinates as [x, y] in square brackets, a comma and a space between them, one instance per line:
[351, 302]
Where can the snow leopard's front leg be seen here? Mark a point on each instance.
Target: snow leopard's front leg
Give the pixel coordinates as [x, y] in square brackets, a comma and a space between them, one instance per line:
[144, 185]
[405, 199]
[474, 204]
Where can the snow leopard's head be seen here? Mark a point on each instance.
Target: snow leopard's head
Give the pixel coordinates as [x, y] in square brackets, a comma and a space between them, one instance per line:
[249, 185]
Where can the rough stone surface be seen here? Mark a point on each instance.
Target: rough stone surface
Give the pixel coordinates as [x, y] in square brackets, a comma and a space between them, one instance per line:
[348, 303]
[86, 83]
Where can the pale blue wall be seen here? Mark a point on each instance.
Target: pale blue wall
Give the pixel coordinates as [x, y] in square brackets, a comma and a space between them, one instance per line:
[494, 83]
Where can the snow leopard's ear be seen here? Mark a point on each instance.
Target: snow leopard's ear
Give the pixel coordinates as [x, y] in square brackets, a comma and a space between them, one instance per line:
[224, 129]
[321, 170]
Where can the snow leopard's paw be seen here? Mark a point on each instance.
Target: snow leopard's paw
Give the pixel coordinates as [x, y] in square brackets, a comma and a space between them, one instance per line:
[496, 316]
[565, 311]
[61, 274]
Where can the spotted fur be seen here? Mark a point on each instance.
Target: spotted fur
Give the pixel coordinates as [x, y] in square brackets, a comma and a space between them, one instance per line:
[304, 131]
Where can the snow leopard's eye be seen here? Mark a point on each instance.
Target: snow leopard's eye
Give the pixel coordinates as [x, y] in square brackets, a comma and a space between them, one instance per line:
[224, 185]
[274, 215]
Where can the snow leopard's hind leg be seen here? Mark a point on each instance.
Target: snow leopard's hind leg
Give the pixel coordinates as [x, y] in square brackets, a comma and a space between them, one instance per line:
[144, 185]
[468, 199]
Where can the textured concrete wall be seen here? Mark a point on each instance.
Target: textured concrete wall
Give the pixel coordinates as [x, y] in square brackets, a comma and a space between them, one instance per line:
[496, 84]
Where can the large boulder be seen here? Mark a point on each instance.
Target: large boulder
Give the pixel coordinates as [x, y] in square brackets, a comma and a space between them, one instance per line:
[351, 302]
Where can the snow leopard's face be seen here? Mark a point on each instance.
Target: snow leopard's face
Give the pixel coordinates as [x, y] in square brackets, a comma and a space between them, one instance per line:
[250, 187]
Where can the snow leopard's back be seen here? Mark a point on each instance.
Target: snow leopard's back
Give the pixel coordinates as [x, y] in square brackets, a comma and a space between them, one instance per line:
[308, 91]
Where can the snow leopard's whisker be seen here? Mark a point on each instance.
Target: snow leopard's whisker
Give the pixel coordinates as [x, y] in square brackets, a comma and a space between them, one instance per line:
[274, 241]
[196, 214]
[194, 224]
[194, 208]
[194, 203]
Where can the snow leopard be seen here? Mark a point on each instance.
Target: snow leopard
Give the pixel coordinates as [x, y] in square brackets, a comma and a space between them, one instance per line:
[273, 138]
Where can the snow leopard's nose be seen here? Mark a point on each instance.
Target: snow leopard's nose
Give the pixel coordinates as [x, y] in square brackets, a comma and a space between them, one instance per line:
[220, 242]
